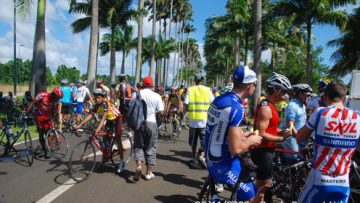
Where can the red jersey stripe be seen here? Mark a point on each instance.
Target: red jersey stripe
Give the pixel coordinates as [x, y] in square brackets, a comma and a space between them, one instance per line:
[354, 115]
[336, 113]
[347, 164]
[345, 114]
[325, 112]
[331, 161]
[324, 153]
[338, 168]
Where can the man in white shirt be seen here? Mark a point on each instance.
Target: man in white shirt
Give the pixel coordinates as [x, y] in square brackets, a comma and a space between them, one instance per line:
[197, 101]
[80, 96]
[145, 138]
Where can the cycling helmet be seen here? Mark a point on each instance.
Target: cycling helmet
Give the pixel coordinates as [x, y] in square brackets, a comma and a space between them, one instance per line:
[100, 92]
[99, 82]
[279, 81]
[323, 82]
[159, 89]
[78, 81]
[122, 77]
[301, 88]
[64, 81]
[58, 92]
[228, 88]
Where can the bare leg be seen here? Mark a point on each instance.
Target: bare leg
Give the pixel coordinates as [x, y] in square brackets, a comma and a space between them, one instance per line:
[138, 171]
[262, 186]
[149, 170]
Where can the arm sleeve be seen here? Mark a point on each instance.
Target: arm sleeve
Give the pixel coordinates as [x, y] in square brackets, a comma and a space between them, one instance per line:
[290, 112]
[311, 123]
[186, 100]
[236, 116]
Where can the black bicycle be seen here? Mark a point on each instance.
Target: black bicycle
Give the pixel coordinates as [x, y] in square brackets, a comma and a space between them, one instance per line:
[9, 142]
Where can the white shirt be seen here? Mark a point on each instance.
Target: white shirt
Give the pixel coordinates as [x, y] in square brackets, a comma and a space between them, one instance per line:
[81, 93]
[153, 103]
[197, 123]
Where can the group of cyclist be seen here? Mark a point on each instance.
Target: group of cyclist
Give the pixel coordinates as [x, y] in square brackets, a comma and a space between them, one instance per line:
[334, 127]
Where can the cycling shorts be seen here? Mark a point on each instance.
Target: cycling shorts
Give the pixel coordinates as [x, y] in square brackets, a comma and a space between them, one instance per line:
[228, 173]
[317, 193]
[263, 158]
[65, 108]
[79, 107]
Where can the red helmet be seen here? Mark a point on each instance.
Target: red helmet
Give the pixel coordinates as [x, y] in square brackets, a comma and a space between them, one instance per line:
[159, 88]
[58, 92]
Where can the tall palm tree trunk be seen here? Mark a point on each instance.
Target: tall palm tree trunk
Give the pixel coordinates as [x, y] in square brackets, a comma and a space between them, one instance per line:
[93, 52]
[257, 46]
[139, 44]
[237, 51]
[182, 54]
[246, 48]
[309, 78]
[38, 71]
[112, 57]
[164, 79]
[168, 60]
[123, 62]
[153, 42]
[186, 60]
[176, 53]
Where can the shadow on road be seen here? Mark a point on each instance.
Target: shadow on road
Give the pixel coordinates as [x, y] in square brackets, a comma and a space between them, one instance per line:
[179, 179]
[175, 199]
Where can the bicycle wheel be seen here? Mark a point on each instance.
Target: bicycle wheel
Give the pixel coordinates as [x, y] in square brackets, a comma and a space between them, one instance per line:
[29, 147]
[186, 121]
[56, 144]
[205, 193]
[2, 143]
[82, 161]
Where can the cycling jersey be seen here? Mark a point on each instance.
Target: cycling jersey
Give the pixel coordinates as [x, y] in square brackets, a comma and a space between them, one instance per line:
[225, 111]
[336, 137]
[316, 102]
[103, 108]
[44, 106]
[67, 94]
[273, 123]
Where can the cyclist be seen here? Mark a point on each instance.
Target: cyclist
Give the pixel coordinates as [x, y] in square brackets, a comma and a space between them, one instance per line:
[295, 116]
[124, 93]
[65, 104]
[27, 100]
[337, 132]
[46, 104]
[81, 93]
[318, 101]
[110, 119]
[100, 85]
[266, 120]
[225, 139]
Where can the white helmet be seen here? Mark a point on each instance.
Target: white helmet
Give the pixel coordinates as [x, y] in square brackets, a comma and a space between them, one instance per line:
[277, 80]
[302, 88]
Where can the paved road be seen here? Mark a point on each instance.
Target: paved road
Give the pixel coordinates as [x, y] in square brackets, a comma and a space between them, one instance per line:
[46, 179]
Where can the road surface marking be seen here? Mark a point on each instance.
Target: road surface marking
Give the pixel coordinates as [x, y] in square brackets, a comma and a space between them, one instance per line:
[57, 192]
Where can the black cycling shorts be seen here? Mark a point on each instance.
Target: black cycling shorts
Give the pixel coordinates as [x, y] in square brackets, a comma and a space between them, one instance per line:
[65, 108]
[263, 158]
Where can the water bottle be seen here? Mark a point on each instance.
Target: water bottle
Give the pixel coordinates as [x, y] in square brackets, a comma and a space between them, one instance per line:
[215, 199]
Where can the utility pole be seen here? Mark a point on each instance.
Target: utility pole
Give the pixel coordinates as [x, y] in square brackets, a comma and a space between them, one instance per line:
[14, 48]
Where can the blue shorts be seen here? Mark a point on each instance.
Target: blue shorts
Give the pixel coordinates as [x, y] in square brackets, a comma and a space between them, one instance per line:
[228, 174]
[79, 107]
[323, 194]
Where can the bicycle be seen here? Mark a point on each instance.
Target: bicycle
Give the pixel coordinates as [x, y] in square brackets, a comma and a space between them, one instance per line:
[7, 146]
[354, 178]
[288, 179]
[83, 157]
[247, 174]
[171, 126]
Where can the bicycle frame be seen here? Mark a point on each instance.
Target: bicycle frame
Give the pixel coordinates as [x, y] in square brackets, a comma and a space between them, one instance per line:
[96, 142]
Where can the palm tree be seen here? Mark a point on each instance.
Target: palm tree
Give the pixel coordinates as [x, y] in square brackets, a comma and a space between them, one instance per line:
[257, 45]
[311, 12]
[37, 81]
[123, 41]
[139, 40]
[154, 38]
[347, 56]
[188, 28]
[112, 13]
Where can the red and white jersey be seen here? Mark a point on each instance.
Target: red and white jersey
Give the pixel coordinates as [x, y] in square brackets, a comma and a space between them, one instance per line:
[336, 137]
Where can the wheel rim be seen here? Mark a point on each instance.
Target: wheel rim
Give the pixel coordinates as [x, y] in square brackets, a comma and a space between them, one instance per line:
[82, 161]
[57, 144]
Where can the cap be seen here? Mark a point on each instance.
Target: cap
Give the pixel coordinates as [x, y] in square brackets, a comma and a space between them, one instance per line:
[148, 82]
[243, 74]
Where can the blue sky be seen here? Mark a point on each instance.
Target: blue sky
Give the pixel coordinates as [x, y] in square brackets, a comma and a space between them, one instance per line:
[64, 47]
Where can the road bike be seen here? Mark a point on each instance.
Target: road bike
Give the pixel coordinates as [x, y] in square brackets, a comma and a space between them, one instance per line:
[9, 141]
[171, 126]
[83, 157]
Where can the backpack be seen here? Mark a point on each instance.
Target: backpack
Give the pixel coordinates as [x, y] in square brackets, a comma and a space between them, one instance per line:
[115, 111]
[136, 114]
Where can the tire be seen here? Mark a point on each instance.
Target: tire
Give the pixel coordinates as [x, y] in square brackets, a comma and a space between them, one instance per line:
[82, 161]
[29, 148]
[128, 144]
[56, 144]
[186, 121]
[2, 143]
[205, 193]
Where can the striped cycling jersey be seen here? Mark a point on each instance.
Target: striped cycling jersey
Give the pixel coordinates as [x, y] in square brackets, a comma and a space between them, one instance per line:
[336, 137]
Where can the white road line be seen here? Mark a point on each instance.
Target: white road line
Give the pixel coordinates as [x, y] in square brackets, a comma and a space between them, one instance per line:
[57, 192]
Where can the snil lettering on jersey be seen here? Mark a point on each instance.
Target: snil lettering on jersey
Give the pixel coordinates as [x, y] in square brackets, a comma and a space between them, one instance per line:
[343, 127]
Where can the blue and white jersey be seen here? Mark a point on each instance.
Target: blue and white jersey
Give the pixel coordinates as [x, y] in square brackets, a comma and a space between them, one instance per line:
[226, 110]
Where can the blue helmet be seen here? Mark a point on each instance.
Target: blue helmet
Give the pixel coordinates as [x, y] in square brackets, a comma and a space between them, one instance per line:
[244, 75]
[323, 82]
